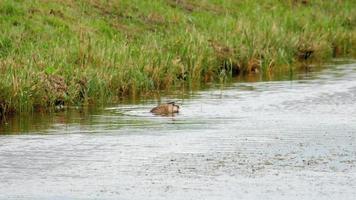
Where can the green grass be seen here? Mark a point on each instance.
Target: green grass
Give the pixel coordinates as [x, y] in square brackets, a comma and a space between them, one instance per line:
[81, 51]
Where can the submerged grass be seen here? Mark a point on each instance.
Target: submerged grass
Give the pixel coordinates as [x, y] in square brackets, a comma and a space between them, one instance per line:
[79, 51]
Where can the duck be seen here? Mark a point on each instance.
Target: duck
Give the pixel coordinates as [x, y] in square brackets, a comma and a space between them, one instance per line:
[165, 109]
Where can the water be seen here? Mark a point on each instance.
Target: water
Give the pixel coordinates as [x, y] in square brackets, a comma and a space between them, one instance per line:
[250, 140]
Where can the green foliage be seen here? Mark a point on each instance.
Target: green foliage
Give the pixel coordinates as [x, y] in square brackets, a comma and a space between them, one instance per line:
[5, 46]
[50, 70]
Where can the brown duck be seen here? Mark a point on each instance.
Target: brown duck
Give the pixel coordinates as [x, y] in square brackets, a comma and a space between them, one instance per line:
[165, 109]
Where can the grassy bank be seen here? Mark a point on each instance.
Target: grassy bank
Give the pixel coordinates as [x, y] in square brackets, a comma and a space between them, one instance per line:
[87, 51]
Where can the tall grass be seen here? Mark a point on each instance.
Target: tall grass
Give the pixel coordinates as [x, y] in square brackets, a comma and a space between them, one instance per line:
[79, 52]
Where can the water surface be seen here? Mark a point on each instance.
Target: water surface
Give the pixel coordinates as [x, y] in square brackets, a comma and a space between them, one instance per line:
[286, 139]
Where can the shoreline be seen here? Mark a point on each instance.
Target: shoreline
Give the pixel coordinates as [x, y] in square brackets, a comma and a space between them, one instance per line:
[77, 52]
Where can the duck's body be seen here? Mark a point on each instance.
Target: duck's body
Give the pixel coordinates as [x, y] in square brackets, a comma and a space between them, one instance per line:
[165, 109]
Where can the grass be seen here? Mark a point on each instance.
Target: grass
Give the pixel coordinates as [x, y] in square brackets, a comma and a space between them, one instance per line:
[76, 52]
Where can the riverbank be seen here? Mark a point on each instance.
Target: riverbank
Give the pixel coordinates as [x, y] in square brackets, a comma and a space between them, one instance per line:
[70, 52]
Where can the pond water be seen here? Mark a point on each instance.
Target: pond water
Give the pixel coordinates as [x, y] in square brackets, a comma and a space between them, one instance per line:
[288, 139]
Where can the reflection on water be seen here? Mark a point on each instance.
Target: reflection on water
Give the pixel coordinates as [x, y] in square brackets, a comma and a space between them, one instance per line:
[247, 140]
